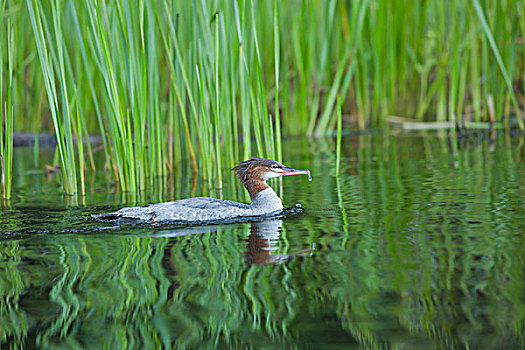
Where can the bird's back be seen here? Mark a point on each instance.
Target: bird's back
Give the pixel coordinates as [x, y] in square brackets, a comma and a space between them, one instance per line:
[198, 209]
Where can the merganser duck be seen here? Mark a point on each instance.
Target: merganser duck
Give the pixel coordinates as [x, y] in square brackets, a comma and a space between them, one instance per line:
[252, 173]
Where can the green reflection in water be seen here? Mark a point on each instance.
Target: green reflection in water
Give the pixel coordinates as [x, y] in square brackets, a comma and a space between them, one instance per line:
[418, 244]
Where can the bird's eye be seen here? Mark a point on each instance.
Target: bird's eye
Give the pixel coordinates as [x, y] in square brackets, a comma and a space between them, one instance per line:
[273, 166]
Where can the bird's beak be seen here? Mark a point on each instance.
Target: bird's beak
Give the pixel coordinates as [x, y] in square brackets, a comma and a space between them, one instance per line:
[290, 171]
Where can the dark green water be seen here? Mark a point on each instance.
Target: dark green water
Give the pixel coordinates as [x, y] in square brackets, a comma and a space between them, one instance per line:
[419, 244]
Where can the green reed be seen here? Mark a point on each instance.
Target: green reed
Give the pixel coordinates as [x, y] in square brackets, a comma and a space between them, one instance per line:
[7, 111]
[339, 137]
[53, 68]
[501, 64]
[202, 85]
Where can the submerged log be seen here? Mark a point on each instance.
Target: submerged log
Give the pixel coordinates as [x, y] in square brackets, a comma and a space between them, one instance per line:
[410, 124]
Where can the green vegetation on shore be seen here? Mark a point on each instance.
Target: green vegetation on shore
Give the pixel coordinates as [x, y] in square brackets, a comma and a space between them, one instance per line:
[209, 83]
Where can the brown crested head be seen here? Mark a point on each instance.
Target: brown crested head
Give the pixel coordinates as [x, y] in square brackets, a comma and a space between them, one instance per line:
[254, 172]
[255, 168]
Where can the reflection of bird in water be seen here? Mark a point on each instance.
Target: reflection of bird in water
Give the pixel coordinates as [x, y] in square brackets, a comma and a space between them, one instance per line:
[263, 241]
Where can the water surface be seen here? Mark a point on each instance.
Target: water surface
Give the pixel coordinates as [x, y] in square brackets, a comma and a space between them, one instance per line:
[419, 243]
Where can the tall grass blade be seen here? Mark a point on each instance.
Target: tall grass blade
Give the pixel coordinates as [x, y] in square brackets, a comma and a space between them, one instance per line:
[7, 123]
[339, 136]
[495, 51]
[63, 134]
[277, 50]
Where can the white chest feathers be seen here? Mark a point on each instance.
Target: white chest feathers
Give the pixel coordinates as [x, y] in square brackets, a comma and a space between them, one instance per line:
[267, 200]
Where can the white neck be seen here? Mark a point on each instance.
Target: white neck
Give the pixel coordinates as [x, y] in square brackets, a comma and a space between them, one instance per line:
[267, 200]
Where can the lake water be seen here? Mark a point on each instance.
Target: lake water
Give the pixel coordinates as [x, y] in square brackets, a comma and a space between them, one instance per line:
[420, 243]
